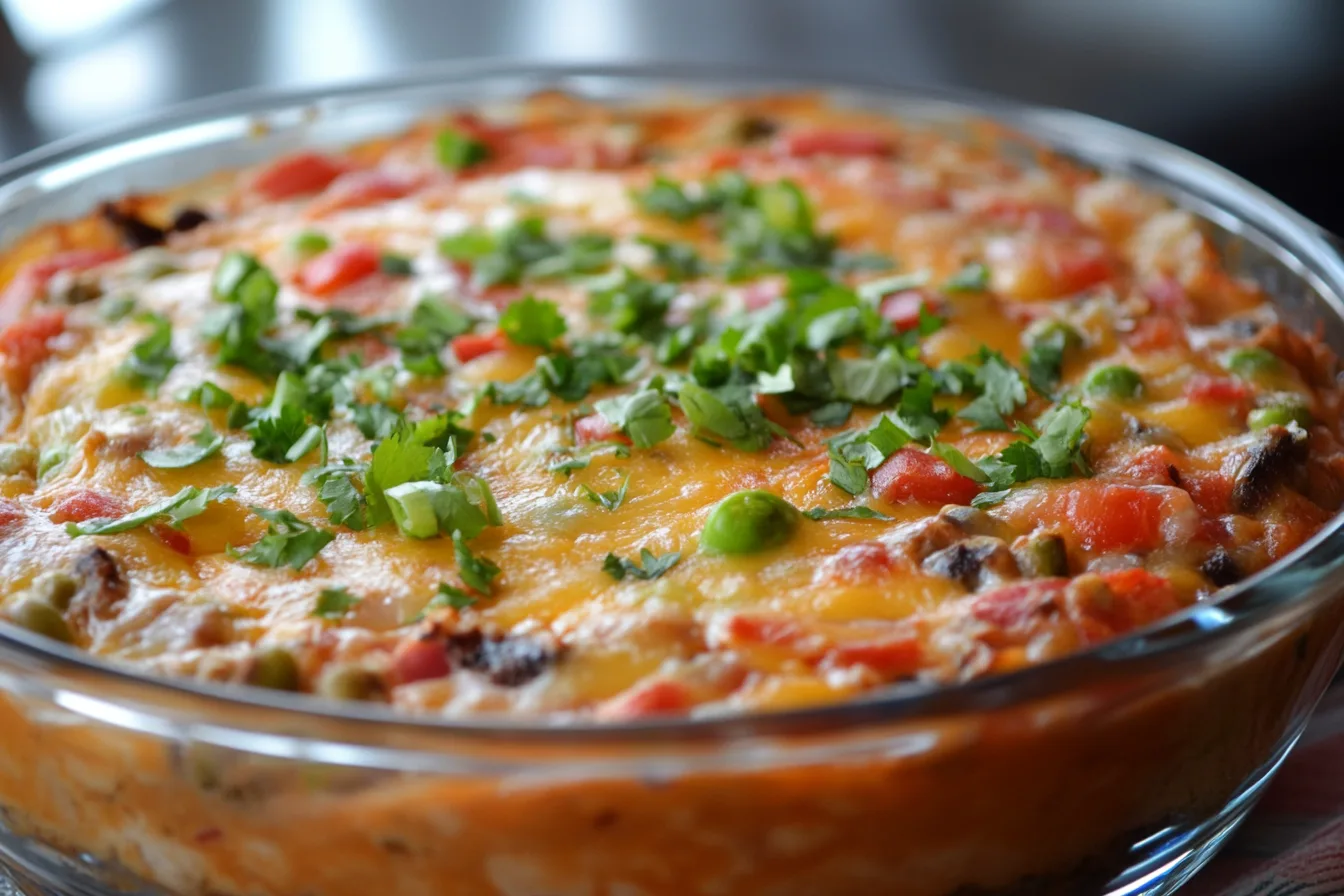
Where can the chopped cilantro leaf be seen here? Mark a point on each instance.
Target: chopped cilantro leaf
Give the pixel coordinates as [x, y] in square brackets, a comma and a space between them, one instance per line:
[334, 603]
[289, 541]
[433, 322]
[448, 596]
[679, 261]
[1001, 389]
[395, 265]
[729, 412]
[608, 500]
[524, 250]
[633, 305]
[276, 435]
[187, 503]
[845, 513]
[457, 150]
[478, 573]
[337, 490]
[204, 444]
[672, 200]
[152, 357]
[248, 291]
[644, 416]
[532, 321]
[854, 453]
[375, 420]
[1055, 452]
[649, 565]
[974, 277]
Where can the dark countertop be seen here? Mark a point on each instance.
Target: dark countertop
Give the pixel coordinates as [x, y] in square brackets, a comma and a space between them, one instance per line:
[1253, 84]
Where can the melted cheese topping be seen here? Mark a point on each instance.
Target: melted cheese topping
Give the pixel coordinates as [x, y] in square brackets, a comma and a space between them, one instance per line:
[1183, 496]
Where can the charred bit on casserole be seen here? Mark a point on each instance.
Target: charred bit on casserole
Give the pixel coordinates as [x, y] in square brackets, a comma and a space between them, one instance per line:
[1275, 459]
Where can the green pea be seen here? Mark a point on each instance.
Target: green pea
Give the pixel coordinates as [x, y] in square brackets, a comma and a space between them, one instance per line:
[349, 681]
[274, 668]
[747, 522]
[1066, 336]
[1281, 413]
[56, 588]
[1114, 381]
[42, 618]
[309, 242]
[1250, 362]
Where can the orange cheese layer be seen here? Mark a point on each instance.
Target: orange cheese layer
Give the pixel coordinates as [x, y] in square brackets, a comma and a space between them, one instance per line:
[1174, 495]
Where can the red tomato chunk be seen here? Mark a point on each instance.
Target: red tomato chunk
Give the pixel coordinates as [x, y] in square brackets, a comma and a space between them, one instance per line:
[913, 476]
[297, 175]
[334, 270]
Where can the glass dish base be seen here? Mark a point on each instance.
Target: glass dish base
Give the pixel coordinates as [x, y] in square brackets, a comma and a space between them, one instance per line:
[1155, 866]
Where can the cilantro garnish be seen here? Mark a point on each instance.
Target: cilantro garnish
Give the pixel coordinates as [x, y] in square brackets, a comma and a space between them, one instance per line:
[729, 412]
[433, 322]
[524, 250]
[203, 445]
[457, 150]
[448, 596]
[478, 573]
[845, 513]
[678, 261]
[151, 358]
[974, 277]
[644, 416]
[395, 265]
[337, 490]
[633, 305]
[853, 454]
[248, 291]
[189, 502]
[532, 321]
[1055, 452]
[608, 500]
[1001, 390]
[289, 541]
[334, 603]
[649, 565]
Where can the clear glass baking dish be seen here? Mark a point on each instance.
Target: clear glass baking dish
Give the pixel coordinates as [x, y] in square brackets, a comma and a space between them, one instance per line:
[1118, 770]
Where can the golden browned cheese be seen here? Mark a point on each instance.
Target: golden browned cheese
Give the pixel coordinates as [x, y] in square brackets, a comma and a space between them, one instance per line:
[1206, 443]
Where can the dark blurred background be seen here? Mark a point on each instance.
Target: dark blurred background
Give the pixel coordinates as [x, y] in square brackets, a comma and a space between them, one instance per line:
[1256, 85]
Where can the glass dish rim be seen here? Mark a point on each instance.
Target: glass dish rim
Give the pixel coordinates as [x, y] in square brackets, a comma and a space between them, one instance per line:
[1240, 607]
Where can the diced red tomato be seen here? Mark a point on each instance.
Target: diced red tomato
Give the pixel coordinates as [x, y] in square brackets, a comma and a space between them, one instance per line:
[862, 561]
[337, 268]
[297, 175]
[1152, 465]
[889, 657]
[1220, 390]
[32, 279]
[472, 345]
[85, 505]
[913, 476]
[1076, 268]
[1013, 606]
[903, 309]
[659, 697]
[758, 628]
[417, 660]
[596, 428]
[1154, 334]
[359, 188]
[24, 342]
[173, 539]
[10, 513]
[1141, 597]
[1099, 516]
[1210, 490]
[803, 144]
